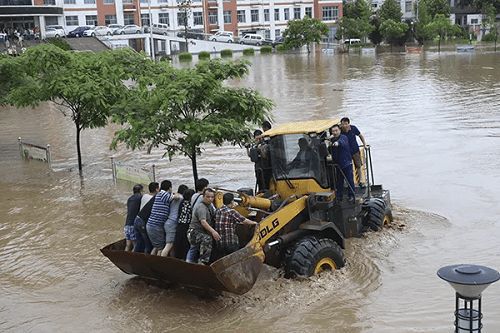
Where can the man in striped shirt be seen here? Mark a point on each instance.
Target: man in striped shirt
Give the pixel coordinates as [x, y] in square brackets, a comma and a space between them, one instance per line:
[158, 217]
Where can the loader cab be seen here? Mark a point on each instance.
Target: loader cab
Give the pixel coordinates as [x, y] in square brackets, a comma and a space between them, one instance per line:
[298, 157]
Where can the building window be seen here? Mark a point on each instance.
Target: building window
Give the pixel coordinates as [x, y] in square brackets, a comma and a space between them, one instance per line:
[182, 19]
[309, 12]
[474, 21]
[110, 19]
[277, 33]
[276, 14]
[70, 2]
[286, 11]
[197, 18]
[212, 18]
[163, 18]
[296, 13]
[108, 2]
[128, 19]
[330, 13]
[145, 19]
[89, 2]
[408, 6]
[267, 34]
[91, 19]
[227, 17]
[47, 2]
[71, 20]
[254, 13]
[241, 16]
[266, 15]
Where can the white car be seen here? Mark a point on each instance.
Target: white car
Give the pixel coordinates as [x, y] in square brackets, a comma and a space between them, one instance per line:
[114, 27]
[129, 29]
[98, 31]
[54, 31]
[252, 39]
[222, 36]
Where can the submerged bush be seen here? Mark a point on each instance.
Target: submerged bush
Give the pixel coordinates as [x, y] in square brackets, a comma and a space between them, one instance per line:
[185, 56]
[60, 43]
[248, 52]
[204, 55]
[226, 53]
[266, 49]
[280, 48]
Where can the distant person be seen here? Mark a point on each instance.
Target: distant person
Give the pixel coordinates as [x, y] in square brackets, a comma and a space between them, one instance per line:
[201, 231]
[341, 155]
[351, 132]
[181, 243]
[153, 188]
[143, 244]
[304, 156]
[170, 225]
[133, 206]
[158, 217]
[226, 219]
[266, 126]
[200, 186]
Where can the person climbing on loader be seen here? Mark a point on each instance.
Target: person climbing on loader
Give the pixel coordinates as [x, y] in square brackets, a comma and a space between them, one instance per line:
[301, 227]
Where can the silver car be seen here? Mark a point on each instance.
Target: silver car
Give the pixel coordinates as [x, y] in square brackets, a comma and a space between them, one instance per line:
[129, 29]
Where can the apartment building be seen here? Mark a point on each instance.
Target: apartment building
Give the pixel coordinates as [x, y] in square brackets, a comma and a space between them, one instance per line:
[267, 17]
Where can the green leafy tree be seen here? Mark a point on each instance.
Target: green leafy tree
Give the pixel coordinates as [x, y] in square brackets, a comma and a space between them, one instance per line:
[489, 22]
[359, 9]
[375, 36]
[440, 27]
[390, 10]
[435, 7]
[179, 110]
[304, 32]
[393, 31]
[356, 21]
[484, 5]
[85, 85]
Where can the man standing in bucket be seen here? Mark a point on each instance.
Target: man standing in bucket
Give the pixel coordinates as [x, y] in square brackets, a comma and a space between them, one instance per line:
[351, 132]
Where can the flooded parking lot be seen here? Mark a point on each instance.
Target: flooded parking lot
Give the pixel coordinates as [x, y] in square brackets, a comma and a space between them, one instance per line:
[433, 122]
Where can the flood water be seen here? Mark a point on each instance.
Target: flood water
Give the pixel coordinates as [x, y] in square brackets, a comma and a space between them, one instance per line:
[433, 122]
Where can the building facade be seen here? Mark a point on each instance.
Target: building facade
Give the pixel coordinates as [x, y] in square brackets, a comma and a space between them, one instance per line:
[266, 17]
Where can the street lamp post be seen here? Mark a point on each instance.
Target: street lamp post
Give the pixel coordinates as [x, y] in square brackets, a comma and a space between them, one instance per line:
[152, 44]
[469, 281]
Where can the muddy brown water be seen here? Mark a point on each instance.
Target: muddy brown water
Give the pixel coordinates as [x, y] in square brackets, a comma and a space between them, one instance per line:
[434, 125]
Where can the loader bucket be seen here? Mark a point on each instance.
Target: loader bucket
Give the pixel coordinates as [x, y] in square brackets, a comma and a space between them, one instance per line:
[235, 273]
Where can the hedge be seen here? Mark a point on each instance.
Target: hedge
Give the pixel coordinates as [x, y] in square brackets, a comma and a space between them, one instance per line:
[204, 55]
[226, 53]
[185, 56]
[266, 49]
[280, 48]
[248, 52]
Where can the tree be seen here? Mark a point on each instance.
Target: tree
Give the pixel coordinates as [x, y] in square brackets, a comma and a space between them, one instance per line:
[393, 31]
[85, 85]
[375, 35]
[304, 32]
[440, 27]
[390, 10]
[185, 10]
[435, 7]
[423, 18]
[181, 109]
[489, 22]
[356, 21]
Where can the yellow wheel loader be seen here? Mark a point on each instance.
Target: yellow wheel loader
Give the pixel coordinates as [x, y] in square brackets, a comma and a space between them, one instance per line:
[302, 226]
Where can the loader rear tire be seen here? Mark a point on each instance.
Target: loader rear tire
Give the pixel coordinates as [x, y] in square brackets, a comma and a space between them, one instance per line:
[311, 255]
[376, 213]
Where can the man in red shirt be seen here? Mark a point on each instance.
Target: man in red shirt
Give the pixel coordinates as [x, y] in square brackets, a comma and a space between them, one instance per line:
[225, 220]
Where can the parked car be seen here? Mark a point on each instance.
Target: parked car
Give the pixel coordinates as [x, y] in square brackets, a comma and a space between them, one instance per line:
[352, 41]
[252, 39]
[160, 28]
[97, 31]
[78, 32]
[277, 41]
[113, 27]
[193, 34]
[222, 36]
[55, 30]
[129, 29]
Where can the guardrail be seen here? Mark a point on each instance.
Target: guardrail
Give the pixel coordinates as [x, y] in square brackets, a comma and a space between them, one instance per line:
[31, 151]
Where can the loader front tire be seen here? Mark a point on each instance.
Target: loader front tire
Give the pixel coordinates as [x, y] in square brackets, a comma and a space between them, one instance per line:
[311, 255]
[376, 213]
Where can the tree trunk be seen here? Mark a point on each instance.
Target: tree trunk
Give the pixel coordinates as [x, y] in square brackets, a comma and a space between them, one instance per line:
[439, 45]
[194, 166]
[78, 149]
[308, 49]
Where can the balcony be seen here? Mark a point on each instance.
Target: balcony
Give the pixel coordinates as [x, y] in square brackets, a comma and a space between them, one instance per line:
[129, 6]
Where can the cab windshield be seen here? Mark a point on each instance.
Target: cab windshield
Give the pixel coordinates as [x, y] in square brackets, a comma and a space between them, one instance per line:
[295, 156]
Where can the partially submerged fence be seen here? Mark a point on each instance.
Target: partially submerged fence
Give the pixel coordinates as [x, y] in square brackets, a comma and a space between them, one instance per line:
[30, 151]
[133, 174]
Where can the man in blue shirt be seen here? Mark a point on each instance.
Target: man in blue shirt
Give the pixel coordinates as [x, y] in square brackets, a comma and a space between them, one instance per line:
[133, 205]
[341, 154]
[351, 132]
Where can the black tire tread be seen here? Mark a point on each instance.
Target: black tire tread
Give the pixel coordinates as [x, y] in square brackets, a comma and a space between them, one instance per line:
[376, 211]
[306, 252]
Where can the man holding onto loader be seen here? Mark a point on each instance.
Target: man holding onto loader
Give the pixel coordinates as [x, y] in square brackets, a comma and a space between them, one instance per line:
[341, 154]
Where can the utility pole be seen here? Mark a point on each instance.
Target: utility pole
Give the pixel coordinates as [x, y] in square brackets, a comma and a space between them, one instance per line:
[151, 42]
